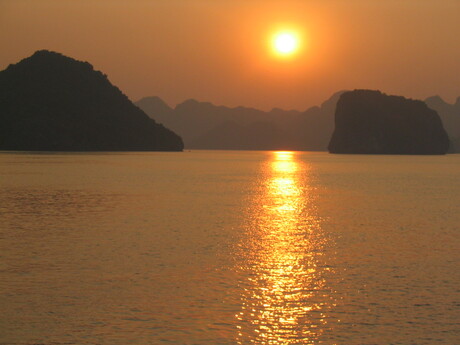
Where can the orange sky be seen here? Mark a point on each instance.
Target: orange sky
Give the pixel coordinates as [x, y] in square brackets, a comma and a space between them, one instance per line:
[217, 50]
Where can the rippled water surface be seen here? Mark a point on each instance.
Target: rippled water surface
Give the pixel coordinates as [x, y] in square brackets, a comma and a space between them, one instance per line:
[215, 247]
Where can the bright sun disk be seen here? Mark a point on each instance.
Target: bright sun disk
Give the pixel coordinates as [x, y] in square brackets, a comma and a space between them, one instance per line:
[285, 43]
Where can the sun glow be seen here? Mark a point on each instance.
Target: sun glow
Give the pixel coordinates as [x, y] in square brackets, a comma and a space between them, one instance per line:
[285, 43]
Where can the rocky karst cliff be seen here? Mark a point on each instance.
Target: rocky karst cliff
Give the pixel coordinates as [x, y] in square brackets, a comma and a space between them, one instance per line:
[370, 122]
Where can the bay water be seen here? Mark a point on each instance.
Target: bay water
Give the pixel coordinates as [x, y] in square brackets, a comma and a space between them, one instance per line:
[229, 247]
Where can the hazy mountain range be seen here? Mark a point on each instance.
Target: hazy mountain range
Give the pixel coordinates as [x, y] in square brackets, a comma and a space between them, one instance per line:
[203, 125]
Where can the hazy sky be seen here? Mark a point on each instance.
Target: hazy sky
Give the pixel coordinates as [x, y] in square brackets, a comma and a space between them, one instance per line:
[218, 50]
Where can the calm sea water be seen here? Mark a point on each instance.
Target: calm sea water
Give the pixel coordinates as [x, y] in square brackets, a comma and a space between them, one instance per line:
[215, 247]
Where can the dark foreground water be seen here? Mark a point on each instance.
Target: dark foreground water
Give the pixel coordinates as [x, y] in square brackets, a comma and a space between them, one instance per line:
[212, 247]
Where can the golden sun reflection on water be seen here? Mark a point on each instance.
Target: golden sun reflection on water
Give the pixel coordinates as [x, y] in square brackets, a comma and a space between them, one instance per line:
[285, 298]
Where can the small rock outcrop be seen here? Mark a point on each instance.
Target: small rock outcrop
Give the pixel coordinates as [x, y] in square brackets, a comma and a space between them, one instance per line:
[50, 102]
[370, 122]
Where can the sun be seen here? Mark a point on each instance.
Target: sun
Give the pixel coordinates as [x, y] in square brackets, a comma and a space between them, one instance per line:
[285, 43]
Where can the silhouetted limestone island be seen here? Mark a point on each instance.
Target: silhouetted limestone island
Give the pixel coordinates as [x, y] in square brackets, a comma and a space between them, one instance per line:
[370, 122]
[50, 102]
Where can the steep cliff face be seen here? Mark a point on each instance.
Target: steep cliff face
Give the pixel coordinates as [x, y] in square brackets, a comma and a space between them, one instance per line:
[450, 117]
[50, 102]
[370, 122]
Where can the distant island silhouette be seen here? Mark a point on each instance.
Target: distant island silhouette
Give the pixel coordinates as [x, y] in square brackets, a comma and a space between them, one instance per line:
[204, 125]
[50, 102]
[371, 122]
